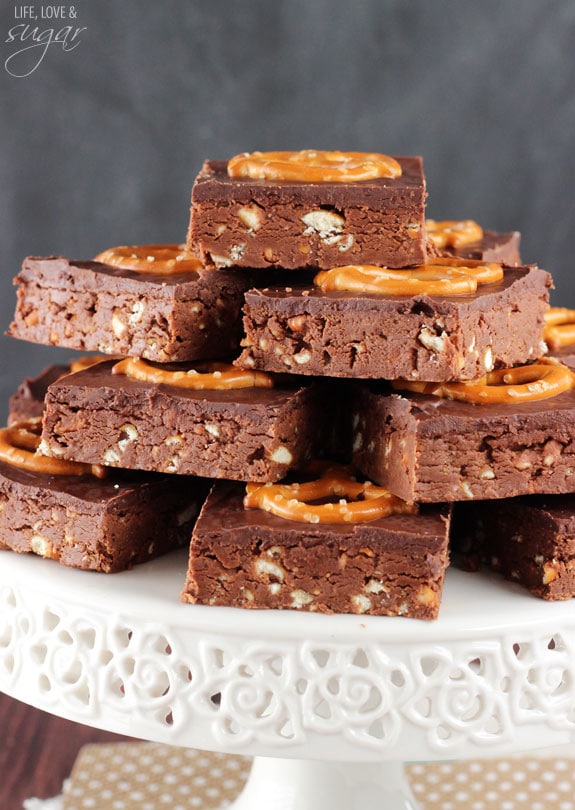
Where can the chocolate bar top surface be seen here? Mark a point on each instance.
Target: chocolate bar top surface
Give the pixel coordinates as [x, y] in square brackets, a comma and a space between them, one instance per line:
[214, 184]
[566, 355]
[224, 512]
[441, 415]
[492, 241]
[559, 509]
[118, 483]
[362, 301]
[34, 388]
[90, 382]
[59, 271]
[493, 244]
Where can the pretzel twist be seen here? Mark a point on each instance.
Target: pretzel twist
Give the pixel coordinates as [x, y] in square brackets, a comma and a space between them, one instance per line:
[151, 259]
[542, 380]
[559, 328]
[437, 277]
[213, 376]
[19, 445]
[452, 233]
[313, 166]
[357, 502]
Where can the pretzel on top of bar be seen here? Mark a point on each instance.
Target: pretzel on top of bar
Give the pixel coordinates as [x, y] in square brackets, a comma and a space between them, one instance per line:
[452, 233]
[314, 166]
[559, 328]
[19, 444]
[356, 502]
[151, 259]
[541, 380]
[448, 276]
[206, 376]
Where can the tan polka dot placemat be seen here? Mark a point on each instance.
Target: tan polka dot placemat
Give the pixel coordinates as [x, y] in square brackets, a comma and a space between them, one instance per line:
[146, 776]
[501, 784]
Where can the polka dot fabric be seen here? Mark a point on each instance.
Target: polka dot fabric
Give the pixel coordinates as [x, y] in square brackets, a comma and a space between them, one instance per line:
[501, 784]
[146, 776]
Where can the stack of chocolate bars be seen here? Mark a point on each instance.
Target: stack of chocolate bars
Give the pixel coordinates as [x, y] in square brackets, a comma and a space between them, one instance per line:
[321, 373]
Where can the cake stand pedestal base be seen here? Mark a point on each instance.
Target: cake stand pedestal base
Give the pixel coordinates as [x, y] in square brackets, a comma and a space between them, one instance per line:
[298, 784]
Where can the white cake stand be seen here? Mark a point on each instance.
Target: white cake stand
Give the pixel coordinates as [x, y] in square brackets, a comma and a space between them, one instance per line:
[330, 706]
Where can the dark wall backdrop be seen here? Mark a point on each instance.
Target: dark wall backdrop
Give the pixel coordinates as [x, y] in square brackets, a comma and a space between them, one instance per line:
[100, 144]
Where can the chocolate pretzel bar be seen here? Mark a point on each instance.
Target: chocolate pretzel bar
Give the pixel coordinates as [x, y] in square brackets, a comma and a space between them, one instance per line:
[249, 558]
[301, 329]
[103, 525]
[492, 247]
[242, 222]
[28, 400]
[433, 449]
[250, 434]
[93, 306]
[530, 541]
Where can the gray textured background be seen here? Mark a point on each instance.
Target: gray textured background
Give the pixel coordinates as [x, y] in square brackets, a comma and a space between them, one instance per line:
[99, 146]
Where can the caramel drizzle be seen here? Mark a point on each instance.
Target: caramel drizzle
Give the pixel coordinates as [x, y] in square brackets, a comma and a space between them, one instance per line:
[314, 166]
[19, 445]
[437, 277]
[542, 380]
[292, 501]
[452, 233]
[213, 376]
[559, 328]
[153, 259]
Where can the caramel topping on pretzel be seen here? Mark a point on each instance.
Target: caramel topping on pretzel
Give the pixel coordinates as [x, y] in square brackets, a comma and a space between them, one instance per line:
[559, 329]
[437, 277]
[357, 503]
[158, 259]
[211, 376]
[313, 166]
[19, 444]
[453, 233]
[542, 380]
